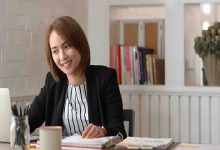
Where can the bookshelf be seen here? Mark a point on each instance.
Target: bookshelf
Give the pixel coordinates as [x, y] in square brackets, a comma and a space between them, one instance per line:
[139, 58]
[173, 14]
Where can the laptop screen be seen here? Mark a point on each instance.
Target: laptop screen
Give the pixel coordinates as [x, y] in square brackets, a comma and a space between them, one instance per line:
[5, 115]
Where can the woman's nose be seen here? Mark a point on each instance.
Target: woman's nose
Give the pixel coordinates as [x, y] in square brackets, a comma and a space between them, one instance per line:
[63, 55]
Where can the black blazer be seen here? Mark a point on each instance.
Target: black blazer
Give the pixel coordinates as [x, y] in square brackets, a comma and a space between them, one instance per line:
[104, 101]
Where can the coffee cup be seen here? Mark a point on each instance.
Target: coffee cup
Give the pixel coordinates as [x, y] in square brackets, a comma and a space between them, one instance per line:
[50, 137]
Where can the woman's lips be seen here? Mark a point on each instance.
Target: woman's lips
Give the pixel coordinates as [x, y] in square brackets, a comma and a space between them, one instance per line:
[66, 64]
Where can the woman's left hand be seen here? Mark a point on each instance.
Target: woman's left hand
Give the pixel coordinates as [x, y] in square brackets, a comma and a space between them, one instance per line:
[93, 131]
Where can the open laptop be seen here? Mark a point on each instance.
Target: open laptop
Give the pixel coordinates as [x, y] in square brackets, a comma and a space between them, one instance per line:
[5, 115]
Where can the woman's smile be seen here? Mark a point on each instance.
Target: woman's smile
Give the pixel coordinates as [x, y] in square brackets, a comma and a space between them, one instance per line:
[66, 64]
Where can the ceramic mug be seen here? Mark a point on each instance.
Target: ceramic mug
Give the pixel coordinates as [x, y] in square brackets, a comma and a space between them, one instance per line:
[50, 137]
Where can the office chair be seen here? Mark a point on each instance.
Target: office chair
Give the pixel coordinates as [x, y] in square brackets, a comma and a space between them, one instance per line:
[128, 115]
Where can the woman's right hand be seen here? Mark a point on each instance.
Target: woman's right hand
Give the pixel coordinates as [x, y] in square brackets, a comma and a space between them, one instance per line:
[93, 131]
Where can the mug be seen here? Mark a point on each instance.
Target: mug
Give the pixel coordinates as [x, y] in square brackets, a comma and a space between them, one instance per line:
[50, 137]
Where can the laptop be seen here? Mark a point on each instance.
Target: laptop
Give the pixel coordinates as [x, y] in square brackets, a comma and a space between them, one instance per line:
[5, 115]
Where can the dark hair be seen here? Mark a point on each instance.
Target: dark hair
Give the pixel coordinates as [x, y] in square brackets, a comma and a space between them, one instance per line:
[71, 31]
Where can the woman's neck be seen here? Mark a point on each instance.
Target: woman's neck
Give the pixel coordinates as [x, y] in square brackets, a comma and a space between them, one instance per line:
[76, 79]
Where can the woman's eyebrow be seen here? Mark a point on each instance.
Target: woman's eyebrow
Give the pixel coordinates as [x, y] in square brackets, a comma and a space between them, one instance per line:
[65, 42]
[54, 47]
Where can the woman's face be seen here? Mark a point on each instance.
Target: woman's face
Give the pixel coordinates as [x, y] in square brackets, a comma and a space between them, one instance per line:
[66, 57]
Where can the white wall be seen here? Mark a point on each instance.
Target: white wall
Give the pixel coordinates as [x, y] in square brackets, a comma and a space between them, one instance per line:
[98, 31]
[174, 43]
[192, 28]
[134, 2]
[137, 12]
[22, 28]
[118, 13]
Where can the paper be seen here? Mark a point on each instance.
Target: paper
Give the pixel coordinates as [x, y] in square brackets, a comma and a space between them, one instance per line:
[77, 141]
[149, 143]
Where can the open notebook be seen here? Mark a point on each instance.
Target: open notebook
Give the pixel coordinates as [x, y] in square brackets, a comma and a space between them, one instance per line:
[146, 143]
[76, 141]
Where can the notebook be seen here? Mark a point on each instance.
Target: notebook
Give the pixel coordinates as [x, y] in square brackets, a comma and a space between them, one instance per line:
[5, 115]
[146, 143]
[76, 141]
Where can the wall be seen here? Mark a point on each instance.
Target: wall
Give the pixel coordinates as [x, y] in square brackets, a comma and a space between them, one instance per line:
[137, 12]
[192, 28]
[98, 31]
[118, 13]
[22, 28]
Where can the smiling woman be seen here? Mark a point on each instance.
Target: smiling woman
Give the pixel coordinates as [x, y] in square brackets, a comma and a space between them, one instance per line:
[80, 97]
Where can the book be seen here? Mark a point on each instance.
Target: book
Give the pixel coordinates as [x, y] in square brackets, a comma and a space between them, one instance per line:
[146, 143]
[159, 71]
[143, 67]
[76, 141]
[115, 61]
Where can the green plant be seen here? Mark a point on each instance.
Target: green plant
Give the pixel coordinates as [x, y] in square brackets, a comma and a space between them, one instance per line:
[209, 42]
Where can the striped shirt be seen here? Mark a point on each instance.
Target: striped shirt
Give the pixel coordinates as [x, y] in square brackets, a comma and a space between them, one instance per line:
[75, 115]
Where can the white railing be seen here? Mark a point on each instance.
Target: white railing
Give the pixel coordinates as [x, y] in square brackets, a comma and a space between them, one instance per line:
[187, 114]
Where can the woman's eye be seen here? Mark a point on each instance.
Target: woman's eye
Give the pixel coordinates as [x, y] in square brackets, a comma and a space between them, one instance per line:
[66, 46]
[54, 51]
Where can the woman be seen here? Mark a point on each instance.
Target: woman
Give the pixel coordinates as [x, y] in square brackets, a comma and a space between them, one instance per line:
[80, 97]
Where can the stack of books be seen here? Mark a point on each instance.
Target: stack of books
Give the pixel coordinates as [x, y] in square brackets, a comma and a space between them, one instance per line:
[77, 142]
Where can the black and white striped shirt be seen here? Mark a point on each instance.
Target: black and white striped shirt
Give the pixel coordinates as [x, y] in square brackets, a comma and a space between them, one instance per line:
[75, 115]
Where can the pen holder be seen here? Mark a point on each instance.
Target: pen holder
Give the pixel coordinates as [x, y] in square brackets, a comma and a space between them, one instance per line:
[20, 133]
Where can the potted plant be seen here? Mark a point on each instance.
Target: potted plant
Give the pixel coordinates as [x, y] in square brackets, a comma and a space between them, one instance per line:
[207, 47]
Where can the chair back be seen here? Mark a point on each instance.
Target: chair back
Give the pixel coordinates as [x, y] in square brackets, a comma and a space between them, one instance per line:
[129, 116]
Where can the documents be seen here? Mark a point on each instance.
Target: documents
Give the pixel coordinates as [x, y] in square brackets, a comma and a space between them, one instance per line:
[76, 141]
[146, 143]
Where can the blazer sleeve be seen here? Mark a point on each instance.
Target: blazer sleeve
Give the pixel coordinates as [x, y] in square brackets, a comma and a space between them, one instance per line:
[36, 113]
[113, 108]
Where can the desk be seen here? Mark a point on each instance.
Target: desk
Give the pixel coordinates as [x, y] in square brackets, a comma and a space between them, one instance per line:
[175, 146]
[6, 146]
[186, 146]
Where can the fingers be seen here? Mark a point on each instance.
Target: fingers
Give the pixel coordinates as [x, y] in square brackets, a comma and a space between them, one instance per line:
[93, 131]
[86, 131]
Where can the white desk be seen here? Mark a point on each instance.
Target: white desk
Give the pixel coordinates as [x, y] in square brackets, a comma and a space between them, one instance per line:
[5, 146]
[182, 146]
[186, 146]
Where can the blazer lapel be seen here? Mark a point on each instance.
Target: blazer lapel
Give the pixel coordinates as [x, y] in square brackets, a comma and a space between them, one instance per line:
[59, 102]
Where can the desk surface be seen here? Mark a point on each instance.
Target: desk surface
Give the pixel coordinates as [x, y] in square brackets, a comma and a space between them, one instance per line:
[176, 146]
[6, 146]
[186, 146]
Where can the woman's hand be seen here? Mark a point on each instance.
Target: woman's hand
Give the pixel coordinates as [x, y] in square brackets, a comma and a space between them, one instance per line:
[93, 131]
